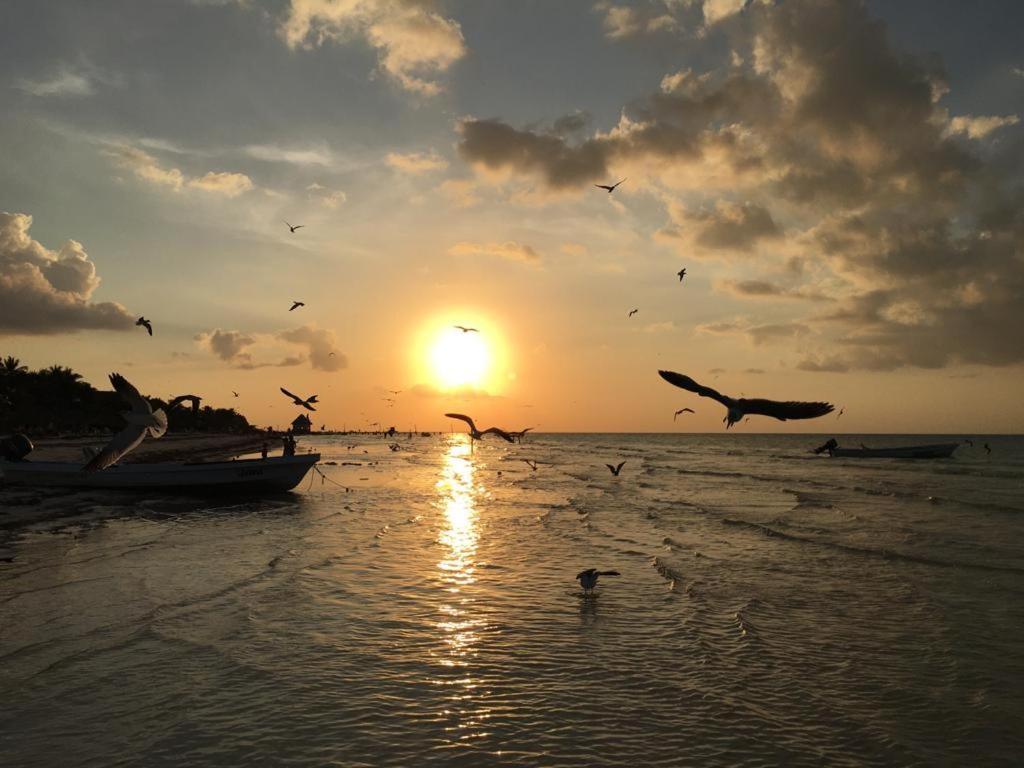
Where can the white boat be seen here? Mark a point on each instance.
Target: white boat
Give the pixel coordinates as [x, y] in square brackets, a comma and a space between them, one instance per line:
[273, 474]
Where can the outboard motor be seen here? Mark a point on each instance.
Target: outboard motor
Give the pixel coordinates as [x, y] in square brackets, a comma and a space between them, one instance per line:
[15, 447]
[829, 446]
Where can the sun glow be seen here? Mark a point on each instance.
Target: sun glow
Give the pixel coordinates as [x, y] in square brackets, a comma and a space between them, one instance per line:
[460, 359]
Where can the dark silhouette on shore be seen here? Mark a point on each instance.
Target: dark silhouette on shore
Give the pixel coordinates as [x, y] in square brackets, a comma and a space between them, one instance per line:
[742, 407]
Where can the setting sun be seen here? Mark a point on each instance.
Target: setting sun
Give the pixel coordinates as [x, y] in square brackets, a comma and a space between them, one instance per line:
[459, 358]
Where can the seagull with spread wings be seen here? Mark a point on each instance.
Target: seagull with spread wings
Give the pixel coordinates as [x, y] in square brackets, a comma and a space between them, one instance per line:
[633, 312]
[464, 329]
[142, 420]
[148, 325]
[682, 274]
[193, 399]
[588, 578]
[742, 407]
[616, 469]
[306, 403]
[293, 228]
[477, 434]
[682, 410]
[609, 187]
[295, 305]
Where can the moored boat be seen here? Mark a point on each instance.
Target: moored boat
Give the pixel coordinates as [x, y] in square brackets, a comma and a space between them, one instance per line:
[274, 474]
[933, 451]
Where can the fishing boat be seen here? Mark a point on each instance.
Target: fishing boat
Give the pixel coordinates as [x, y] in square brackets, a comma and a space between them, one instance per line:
[243, 476]
[934, 451]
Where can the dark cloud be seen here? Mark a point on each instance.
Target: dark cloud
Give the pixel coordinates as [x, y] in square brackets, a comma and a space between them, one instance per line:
[763, 289]
[48, 292]
[729, 226]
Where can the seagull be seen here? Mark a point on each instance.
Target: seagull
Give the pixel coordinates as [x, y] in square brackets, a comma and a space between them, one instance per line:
[145, 324]
[588, 578]
[633, 312]
[841, 412]
[234, 393]
[142, 420]
[988, 449]
[477, 434]
[615, 470]
[738, 409]
[464, 329]
[521, 434]
[194, 399]
[610, 188]
[307, 403]
[296, 305]
[292, 229]
[970, 443]
[682, 274]
[682, 410]
[395, 391]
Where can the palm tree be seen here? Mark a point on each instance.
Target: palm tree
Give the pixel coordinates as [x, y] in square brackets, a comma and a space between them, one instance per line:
[12, 365]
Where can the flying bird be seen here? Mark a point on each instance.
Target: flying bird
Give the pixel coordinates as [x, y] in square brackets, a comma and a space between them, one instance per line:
[521, 434]
[307, 403]
[588, 578]
[395, 391]
[682, 410]
[633, 312]
[296, 305]
[609, 187]
[742, 407]
[292, 229]
[145, 324]
[234, 393]
[615, 470]
[841, 412]
[464, 329]
[193, 399]
[477, 434]
[142, 420]
[682, 274]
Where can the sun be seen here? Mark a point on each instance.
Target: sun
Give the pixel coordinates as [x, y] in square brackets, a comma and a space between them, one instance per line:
[459, 358]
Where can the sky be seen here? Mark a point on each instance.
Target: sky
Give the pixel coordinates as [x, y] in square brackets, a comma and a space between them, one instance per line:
[843, 182]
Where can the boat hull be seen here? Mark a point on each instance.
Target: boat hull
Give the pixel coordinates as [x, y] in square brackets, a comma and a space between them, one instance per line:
[276, 474]
[937, 451]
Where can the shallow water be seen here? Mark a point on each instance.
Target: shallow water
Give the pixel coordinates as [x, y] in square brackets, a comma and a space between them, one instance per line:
[773, 608]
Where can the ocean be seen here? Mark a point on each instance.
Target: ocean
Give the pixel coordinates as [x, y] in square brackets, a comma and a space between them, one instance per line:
[419, 607]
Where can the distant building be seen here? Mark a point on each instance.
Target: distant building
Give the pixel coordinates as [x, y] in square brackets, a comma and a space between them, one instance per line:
[302, 424]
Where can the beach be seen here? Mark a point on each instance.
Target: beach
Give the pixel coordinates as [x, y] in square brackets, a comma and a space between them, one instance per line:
[420, 607]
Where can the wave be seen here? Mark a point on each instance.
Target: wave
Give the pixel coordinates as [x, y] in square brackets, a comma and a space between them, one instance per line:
[884, 554]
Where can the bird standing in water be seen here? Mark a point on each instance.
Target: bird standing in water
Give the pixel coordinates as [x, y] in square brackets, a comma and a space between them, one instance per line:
[588, 578]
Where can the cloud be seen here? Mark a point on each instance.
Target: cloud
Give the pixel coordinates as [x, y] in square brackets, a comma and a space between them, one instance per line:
[461, 192]
[272, 153]
[664, 327]
[772, 332]
[830, 364]
[510, 250]
[321, 345]
[416, 162]
[621, 21]
[1018, 71]
[328, 198]
[728, 226]
[48, 292]
[64, 83]
[762, 289]
[229, 346]
[414, 43]
[573, 249]
[146, 167]
[980, 127]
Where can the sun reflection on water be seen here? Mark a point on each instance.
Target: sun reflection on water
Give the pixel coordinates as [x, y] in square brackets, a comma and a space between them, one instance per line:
[459, 626]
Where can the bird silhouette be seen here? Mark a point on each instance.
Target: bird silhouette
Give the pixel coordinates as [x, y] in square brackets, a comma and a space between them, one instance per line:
[234, 393]
[615, 470]
[682, 274]
[395, 391]
[307, 403]
[609, 187]
[145, 324]
[988, 449]
[682, 410]
[742, 407]
[518, 436]
[142, 421]
[293, 228]
[633, 312]
[464, 329]
[477, 434]
[195, 400]
[588, 578]
[296, 304]
[841, 412]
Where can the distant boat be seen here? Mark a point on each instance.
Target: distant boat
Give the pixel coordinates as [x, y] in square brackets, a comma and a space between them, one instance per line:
[935, 451]
[270, 475]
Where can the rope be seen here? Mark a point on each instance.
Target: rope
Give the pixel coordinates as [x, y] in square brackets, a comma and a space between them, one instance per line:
[323, 477]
